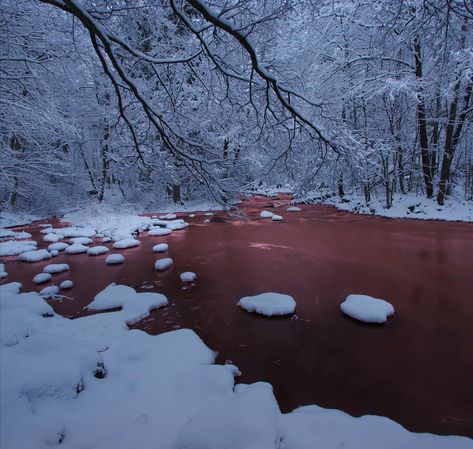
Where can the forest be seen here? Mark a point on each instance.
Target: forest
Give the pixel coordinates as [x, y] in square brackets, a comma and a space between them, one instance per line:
[152, 100]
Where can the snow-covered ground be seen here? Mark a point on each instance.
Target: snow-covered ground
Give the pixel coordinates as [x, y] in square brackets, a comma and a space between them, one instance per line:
[92, 383]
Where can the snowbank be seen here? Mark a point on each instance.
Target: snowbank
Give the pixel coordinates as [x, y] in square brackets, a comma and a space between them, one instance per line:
[367, 309]
[269, 304]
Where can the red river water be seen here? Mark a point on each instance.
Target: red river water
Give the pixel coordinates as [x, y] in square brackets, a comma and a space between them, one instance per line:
[417, 369]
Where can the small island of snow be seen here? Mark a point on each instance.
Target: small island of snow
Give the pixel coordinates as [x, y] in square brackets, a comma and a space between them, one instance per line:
[269, 304]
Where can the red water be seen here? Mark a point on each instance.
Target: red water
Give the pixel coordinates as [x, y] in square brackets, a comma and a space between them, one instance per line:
[417, 369]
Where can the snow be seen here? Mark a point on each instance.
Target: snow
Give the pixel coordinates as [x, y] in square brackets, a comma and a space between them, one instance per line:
[55, 268]
[159, 232]
[175, 225]
[97, 250]
[52, 238]
[191, 215]
[50, 291]
[76, 248]
[266, 214]
[12, 219]
[163, 264]
[3, 271]
[54, 252]
[34, 256]
[126, 243]
[114, 259]
[168, 217]
[269, 304]
[41, 278]
[59, 246]
[367, 309]
[12, 248]
[294, 209]
[135, 306]
[106, 239]
[92, 383]
[277, 217]
[209, 214]
[160, 248]
[64, 285]
[72, 231]
[188, 276]
[81, 240]
[8, 233]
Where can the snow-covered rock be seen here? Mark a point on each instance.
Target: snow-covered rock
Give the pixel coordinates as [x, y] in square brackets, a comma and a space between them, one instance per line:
[64, 285]
[54, 252]
[277, 217]
[76, 248]
[59, 246]
[10, 234]
[176, 225]
[55, 268]
[50, 291]
[106, 239]
[160, 248]
[168, 217]
[13, 248]
[41, 278]
[35, 256]
[114, 259]
[52, 238]
[97, 250]
[266, 214]
[72, 231]
[293, 209]
[209, 214]
[367, 309]
[159, 232]
[188, 276]
[126, 243]
[3, 271]
[269, 304]
[163, 264]
[81, 240]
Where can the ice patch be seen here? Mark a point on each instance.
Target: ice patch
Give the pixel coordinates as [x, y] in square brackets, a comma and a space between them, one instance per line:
[76, 248]
[367, 309]
[266, 214]
[188, 276]
[97, 250]
[41, 278]
[114, 259]
[126, 243]
[163, 264]
[55, 268]
[160, 248]
[269, 304]
[35, 256]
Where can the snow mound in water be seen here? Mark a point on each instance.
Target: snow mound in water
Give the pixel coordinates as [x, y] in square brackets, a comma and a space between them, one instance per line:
[277, 217]
[8, 233]
[175, 225]
[269, 304]
[97, 250]
[135, 306]
[293, 209]
[168, 217]
[81, 240]
[188, 276]
[50, 291]
[54, 268]
[126, 243]
[54, 252]
[266, 214]
[159, 231]
[41, 278]
[163, 264]
[76, 248]
[209, 214]
[12, 248]
[72, 231]
[106, 239]
[59, 246]
[3, 271]
[114, 259]
[52, 238]
[64, 285]
[35, 256]
[160, 248]
[367, 309]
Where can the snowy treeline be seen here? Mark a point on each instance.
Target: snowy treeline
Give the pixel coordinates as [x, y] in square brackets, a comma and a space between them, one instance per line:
[190, 98]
